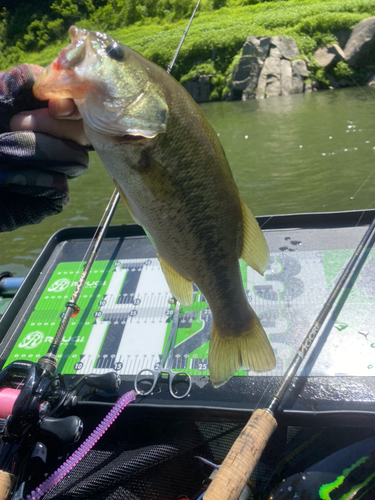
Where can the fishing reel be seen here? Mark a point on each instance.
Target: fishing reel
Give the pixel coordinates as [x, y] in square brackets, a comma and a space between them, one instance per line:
[34, 401]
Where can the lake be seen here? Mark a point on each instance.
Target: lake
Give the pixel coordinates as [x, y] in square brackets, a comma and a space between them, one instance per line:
[301, 153]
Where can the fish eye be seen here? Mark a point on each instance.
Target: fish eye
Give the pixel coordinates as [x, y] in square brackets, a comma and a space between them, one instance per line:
[115, 52]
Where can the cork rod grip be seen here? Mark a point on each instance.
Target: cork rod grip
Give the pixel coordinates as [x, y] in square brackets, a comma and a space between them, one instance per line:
[6, 484]
[233, 474]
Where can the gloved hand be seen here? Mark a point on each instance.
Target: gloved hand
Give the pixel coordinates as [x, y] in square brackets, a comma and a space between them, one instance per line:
[34, 167]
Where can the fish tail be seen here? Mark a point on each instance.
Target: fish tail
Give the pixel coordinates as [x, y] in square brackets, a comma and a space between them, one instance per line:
[249, 349]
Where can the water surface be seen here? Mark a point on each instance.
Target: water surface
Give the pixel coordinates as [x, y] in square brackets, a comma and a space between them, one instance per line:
[302, 153]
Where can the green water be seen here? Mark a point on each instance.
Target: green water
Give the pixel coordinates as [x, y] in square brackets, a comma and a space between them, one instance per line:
[302, 153]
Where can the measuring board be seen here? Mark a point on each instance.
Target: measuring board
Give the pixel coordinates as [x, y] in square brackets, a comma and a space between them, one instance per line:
[126, 314]
[126, 311]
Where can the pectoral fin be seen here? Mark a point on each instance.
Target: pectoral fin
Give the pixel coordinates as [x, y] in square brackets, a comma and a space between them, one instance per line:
[255, 249]
[180, 287]
[127, 204]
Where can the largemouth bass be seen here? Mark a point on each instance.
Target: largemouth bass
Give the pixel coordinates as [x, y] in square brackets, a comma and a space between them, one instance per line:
[174, 178]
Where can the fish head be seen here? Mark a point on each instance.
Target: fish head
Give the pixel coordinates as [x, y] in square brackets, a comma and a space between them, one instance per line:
[111, 84]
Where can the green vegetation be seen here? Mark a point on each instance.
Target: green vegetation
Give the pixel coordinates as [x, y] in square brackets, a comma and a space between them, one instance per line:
[35, 32]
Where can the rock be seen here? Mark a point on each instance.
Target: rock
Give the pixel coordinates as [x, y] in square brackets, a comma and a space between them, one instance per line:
[245, 75]
[371, 81]
[299, 73]
[276, 77]
[269, 78]
[308, 87]
[342, 36]
[283, 47]
[265, 68]
[360, 48]
[257, 46]
[199, 88]
[336, 49]
[324, 58]
[327, 57]
[286, 77]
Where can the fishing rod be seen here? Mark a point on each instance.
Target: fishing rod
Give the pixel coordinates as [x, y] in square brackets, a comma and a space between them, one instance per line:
[49, 361]
[242, 458]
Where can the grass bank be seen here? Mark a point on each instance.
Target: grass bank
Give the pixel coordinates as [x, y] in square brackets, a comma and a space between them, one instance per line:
[216, 36]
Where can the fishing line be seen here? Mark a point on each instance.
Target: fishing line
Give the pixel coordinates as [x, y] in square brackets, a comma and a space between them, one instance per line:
[357, 84]
[264, 223]
[8, 398]
[361, 186]
[368, 206]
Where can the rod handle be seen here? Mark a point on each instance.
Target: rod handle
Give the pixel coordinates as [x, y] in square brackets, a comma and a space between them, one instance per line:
[242, 458]
[7, 481]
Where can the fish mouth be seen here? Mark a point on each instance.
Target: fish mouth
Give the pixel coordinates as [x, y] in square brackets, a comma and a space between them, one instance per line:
[77, 34]
[59, 79]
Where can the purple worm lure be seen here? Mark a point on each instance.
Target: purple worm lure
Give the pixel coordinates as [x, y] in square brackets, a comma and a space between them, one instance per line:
[85, 447]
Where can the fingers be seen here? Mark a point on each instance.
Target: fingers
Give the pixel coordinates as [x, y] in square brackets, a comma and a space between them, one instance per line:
[42, 120]
[61, 119]
[63, 109]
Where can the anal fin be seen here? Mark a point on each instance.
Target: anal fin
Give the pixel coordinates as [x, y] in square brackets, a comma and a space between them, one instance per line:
[180, 287]
[254, 249]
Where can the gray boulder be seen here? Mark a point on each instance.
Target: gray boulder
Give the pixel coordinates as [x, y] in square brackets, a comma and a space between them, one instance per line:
[199, 88]
[299, 73]
[246, 74]
[286, 77]
[256, 46]
[269, 79]
[327, 57]
[266, 69]
[371, 81]
[276, 76]
[283, 47]
[360, 48]
[342, 36]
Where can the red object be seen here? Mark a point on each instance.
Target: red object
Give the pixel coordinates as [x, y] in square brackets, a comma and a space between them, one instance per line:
[76, 311]
[7, 399]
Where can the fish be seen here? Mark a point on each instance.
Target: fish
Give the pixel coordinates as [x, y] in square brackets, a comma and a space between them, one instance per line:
[172, 174]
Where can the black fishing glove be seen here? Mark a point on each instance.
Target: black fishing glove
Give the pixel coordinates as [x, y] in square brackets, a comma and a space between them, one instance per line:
[34, 167]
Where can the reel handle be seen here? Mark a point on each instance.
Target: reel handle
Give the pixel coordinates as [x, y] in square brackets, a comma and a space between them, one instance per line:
[108, 382]
[68, 429]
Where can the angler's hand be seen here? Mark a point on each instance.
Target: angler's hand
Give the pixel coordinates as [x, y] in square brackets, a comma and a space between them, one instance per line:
[37, 152]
